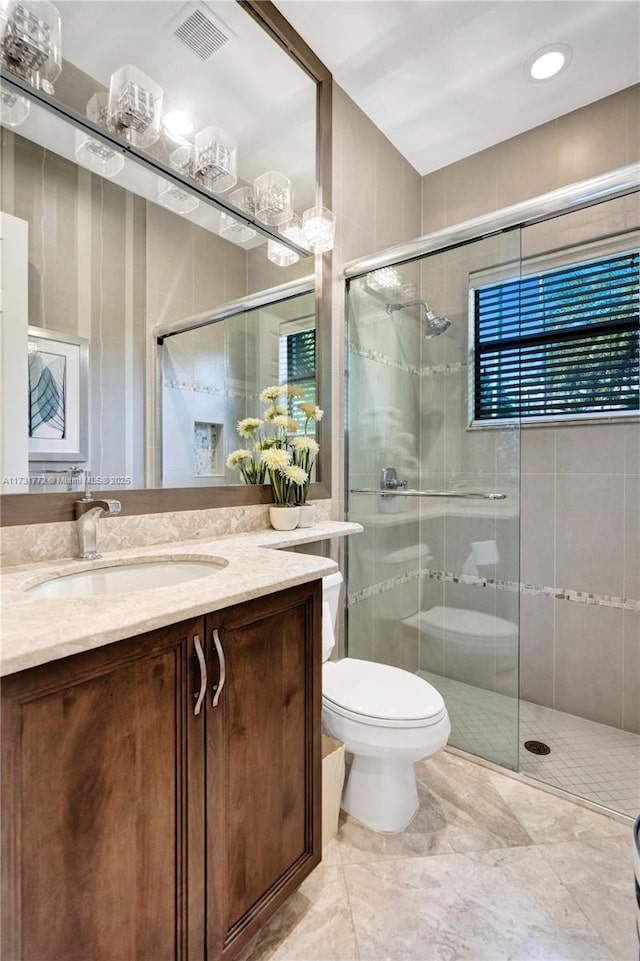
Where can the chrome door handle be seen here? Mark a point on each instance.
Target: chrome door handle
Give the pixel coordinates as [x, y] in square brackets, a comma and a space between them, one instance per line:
[203, 674]
[217, 688]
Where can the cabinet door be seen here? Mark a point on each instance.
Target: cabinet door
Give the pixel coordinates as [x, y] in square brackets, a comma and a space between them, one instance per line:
[263, 762]
[102, 804]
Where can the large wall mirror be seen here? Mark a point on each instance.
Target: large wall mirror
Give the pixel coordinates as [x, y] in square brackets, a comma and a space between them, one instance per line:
[151, 285]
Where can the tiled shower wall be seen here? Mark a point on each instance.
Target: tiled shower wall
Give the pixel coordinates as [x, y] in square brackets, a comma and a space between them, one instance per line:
[580, 484]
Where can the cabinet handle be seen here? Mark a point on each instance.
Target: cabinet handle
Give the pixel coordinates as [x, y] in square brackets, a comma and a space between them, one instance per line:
[217, 688]
[203, 674]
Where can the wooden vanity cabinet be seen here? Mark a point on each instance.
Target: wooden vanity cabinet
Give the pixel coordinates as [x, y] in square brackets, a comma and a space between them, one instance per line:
[136, 830]
[263, 761]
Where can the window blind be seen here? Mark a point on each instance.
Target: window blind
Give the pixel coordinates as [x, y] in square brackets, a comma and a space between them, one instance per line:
[559, 343]
[298, 362]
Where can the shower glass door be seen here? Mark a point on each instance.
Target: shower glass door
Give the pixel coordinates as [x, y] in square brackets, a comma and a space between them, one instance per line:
[433, 475]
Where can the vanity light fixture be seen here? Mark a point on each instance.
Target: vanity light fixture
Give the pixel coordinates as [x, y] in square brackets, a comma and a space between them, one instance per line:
[135, 106]
[14, 109]
[30, 41]
[549, 61]
[176, 199]
[93, 153]
[234, 230]
[318, 229]
[216, 159]
[182, 160]
[274, 198]
[177, 125]
[278, 253]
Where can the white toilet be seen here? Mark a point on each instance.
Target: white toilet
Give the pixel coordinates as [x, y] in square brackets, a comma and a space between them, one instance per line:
[387, 719]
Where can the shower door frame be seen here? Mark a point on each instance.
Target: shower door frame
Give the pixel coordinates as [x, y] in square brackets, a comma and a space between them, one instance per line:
[578, 196]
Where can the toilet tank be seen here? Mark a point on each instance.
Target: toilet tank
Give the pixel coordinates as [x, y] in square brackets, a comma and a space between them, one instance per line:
[331, 585]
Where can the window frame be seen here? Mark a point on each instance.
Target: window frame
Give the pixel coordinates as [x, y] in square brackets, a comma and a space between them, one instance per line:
[537, 266]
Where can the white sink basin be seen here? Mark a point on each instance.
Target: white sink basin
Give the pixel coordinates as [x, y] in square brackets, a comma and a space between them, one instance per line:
[125, 578]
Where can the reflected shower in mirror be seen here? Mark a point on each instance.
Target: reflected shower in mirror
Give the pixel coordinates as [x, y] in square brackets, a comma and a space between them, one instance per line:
[212, 377]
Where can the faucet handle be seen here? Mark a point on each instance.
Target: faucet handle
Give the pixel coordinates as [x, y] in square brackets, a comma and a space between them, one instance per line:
[114, 506]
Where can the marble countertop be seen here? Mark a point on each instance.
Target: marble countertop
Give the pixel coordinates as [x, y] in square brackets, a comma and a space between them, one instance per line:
[36, 630]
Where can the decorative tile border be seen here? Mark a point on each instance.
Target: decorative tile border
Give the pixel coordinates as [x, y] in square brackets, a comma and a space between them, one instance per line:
[445, 369]
[206, 389]
[383, 586]
[498, 584]
[380, 358]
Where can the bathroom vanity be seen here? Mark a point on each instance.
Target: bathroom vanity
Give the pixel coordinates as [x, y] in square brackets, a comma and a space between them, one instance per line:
[161, 793]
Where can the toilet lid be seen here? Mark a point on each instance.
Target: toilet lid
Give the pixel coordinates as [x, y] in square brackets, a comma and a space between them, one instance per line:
[379, 691]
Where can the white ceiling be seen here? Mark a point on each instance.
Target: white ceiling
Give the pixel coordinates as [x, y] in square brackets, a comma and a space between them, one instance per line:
[443, 79]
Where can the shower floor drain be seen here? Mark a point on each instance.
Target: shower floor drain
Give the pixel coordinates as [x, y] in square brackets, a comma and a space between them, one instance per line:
[537, 747]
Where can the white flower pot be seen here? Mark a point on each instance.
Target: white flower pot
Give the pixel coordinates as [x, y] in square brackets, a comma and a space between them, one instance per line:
[284, 517]
[308, 515]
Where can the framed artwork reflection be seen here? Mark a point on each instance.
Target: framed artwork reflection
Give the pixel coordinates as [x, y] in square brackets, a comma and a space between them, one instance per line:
[58, 395]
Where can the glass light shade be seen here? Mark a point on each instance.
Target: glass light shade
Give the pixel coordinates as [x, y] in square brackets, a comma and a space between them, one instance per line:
[292, 230]
[97, 156]
[182, 160]
[135, 106]
[92, 153]
[30, 41]
[216, 159]
[243, 198]
[274, 198]
[234, 230]
[318, 229]
[14, 109]
[281, 255]
[176, 199]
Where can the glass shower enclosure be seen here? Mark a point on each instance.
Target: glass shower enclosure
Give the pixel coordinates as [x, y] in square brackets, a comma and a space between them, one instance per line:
[433, 582]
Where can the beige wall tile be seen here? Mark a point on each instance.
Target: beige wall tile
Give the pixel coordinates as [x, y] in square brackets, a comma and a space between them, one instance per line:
[537, 649]
[585, 143]
[590, 449]
[538, 447]
[632, 536]
[589, 533]
[631, 672]
[537, 519]
[588, 679]
[632, 449]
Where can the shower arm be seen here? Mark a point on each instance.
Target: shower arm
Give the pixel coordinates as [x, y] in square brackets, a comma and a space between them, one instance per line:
[476, 495]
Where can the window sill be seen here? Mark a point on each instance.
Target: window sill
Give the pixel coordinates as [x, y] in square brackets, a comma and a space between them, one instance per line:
[578, 420]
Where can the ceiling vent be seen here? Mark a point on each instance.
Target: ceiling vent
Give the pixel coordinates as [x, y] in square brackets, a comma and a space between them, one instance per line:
[199, 29]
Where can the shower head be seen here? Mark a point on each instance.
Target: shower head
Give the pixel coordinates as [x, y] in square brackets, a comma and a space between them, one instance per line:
[434, 325]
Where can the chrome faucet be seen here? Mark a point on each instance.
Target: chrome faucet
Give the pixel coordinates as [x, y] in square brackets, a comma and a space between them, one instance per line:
[88, 512]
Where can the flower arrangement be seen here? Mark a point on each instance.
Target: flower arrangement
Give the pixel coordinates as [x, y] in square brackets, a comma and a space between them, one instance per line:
[286, 455]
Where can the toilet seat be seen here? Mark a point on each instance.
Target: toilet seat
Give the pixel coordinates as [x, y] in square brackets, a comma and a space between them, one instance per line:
[380, 695]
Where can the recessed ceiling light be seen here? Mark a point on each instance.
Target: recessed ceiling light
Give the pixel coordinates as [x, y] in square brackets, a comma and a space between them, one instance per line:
[177, 124]
[548, 62]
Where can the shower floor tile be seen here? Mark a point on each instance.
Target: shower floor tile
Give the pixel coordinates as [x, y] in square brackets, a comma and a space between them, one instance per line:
[593, 761]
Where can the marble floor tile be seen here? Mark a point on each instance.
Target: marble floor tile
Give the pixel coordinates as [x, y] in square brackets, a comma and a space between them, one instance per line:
[426, 835]
[547, 818]
[314, 924]
[475, 814]
[493, 905]
[598, 873]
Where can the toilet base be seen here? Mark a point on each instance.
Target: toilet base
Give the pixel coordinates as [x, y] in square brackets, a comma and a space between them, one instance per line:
[381, 793]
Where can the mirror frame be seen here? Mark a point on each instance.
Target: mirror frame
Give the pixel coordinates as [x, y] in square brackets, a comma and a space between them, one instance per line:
[36, 508]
